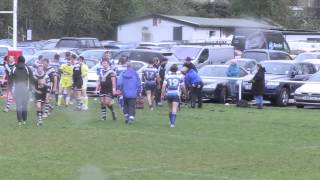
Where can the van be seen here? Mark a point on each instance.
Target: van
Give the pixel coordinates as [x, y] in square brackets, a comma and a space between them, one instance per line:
[203, 55]
[244, 39]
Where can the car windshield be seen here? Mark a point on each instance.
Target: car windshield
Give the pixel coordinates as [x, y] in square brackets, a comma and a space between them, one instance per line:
[213, 71]
[90, 64]
[27, 51]
[277, 68]
[258, 56]
[302, 56]
[183, 52]
[50, 54]
[96, 55]
[315, 78]
[68, 43]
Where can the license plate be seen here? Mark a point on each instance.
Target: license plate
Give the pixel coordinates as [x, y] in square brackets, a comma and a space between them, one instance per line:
[310, 98]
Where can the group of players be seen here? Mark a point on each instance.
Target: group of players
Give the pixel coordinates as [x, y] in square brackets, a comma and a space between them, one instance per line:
[56, 84]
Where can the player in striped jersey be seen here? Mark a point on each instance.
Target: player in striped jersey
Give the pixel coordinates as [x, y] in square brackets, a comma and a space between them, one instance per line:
[9, 64]
[150, 76]
[51, 83]
[119, 70]
[171, 88]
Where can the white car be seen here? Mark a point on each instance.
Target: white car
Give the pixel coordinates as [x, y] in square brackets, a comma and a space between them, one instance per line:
[93, 77]
[308, 94]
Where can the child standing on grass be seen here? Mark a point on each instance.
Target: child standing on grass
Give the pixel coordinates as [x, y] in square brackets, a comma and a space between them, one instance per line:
[172, 86]
[41, 87]
[106, 88]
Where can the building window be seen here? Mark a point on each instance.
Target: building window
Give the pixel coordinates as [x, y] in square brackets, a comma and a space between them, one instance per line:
[155, 21]
[212, 33]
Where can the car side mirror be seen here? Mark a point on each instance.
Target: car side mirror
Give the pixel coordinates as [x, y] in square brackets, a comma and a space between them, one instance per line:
[293, 74]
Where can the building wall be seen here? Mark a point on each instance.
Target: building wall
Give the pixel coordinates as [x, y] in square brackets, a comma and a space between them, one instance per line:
[161, 30]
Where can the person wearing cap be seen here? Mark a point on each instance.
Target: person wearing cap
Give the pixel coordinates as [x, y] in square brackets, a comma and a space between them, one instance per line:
[22, 82]
[188, 63]
[233, 71]
[194, 84]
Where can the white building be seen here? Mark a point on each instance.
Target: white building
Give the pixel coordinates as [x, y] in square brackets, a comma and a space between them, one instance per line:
[168, 28]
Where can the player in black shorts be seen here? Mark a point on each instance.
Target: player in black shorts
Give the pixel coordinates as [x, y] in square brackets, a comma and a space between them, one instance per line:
[41, 89]
[51, 83]
[150, 76]
[77, 83]
[106, 88]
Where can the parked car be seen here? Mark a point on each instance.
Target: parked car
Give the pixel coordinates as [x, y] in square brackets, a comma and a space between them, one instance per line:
[138, 66]
[315, 62]
[28, 52]
[78, 44]
[218, 89]
[49, 44]
[307, 55]
[97, 54]
[204, 55]
[265, 54]
[278, 88]
[145, 55]
[4, 50]
[247, 64]
[245, 38]
[308, 94]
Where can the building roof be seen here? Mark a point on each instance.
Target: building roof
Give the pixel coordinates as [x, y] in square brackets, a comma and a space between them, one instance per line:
[209, 22]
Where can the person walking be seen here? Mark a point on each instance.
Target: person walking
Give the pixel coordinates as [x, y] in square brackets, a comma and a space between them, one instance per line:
[22, 82]
[106, 88]
[130, 87]
[258, 85]
[194, 84]
[9, 64]
[41, 90]
[233, 71]
[150, 76]
[162, 73]
[172, 86]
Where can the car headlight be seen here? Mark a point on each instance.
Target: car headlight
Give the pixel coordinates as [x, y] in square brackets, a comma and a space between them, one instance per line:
[273, 83]
[297, 92]
[210, 86]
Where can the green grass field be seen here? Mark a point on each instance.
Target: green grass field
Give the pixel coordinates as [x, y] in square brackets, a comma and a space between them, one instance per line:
[216, 142]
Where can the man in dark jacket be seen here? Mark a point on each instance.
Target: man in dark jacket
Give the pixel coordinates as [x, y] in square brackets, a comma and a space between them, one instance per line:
[194, 84]
[130, 87]
[188, 63]
[258, 85]
[22, 81]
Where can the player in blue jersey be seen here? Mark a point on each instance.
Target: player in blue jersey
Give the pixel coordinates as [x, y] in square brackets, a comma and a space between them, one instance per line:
[151, 78]
[171, 88]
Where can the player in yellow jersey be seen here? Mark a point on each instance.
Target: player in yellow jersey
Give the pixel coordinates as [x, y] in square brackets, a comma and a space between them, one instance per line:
[66, 72]
[84, 74]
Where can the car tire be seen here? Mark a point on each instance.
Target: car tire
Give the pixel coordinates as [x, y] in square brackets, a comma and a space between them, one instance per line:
[283, 97]
[222, 98]
[300, 106]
